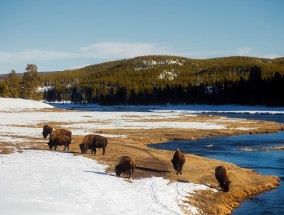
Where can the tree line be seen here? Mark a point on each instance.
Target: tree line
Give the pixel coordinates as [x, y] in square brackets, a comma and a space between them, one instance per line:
[25, 86]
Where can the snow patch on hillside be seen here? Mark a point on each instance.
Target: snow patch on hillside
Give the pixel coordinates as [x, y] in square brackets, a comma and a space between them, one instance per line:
[169, 75]
[162, 62]
[147, 64]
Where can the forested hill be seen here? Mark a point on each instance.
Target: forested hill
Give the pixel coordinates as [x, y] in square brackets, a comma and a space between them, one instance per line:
[171, 79]
[169, 70]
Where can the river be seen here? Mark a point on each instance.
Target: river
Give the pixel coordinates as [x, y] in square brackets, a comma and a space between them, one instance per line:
[253, 151]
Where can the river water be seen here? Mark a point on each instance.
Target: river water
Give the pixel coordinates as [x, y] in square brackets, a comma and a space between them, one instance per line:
[253, 151]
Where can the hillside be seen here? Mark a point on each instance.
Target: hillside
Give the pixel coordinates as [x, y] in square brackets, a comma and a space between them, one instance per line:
[177, 70]
[170, 79]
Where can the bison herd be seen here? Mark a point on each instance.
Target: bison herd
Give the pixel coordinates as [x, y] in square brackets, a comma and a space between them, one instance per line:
[126, 164]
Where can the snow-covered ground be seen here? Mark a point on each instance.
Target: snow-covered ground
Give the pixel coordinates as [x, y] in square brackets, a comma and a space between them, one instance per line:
[10, 104]
[45, 182]
[19, 120]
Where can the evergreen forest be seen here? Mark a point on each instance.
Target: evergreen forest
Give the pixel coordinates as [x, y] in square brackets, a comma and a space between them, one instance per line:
[156, 80]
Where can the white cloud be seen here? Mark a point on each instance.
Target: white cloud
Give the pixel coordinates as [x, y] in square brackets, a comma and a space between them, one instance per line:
[60, 60]
[244, 51]
[97, 50]
[122, 50]
[34, 54]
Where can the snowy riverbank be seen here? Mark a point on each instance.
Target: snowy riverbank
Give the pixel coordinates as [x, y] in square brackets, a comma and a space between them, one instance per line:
[34, 183]
[43, 182]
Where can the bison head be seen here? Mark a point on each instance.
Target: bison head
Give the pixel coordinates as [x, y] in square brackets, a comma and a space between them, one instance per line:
[83, 148]
[50, 144]
[44, 134]
[226, 186]
[118, 170]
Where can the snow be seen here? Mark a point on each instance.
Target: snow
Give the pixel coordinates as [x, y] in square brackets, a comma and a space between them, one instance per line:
[169, 75]
[48, 182]
[10, 104]
[44, 182]
[163, 62]
[43, 89]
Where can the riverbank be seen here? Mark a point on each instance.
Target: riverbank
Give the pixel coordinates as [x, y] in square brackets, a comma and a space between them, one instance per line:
[130, 132]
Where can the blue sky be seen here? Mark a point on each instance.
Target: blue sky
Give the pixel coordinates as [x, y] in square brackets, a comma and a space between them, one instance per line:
[67, 34]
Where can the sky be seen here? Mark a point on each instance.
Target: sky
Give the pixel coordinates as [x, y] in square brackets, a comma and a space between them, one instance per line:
[68, 34]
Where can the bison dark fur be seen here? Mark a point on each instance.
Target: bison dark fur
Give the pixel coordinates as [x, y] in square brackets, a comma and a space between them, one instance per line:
[59, 140]
[126, 165]
[92, 142]
[47, 130]
[178, 161]
[222, 176]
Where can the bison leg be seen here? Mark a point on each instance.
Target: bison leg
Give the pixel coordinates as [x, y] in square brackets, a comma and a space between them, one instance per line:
[129, 174]
[132, 172]
[64, 147]
[94, 150]
[104, 150]
[91, 148]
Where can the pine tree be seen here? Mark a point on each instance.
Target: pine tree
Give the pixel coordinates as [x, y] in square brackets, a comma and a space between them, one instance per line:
[4, 89]
[13, 83]
[30, 82]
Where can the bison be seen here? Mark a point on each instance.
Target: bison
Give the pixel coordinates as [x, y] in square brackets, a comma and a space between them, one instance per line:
[59, 140]
[222, 176]
[47, 130]
[178, 161]
[92, 142]
[126, 165]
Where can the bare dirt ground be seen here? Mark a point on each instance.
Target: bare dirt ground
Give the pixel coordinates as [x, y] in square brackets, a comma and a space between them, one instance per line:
[153, 162]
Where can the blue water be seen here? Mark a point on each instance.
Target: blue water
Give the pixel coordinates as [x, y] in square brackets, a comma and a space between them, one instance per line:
[230, 149]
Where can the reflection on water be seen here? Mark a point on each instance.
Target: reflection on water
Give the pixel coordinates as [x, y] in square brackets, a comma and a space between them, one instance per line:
[231, 149]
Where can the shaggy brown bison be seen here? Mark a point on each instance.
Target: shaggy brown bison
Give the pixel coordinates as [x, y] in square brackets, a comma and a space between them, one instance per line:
[92, 142]
[222, 176]
[59, 140]
[178, 161]
[126, 165]
[47, 130]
